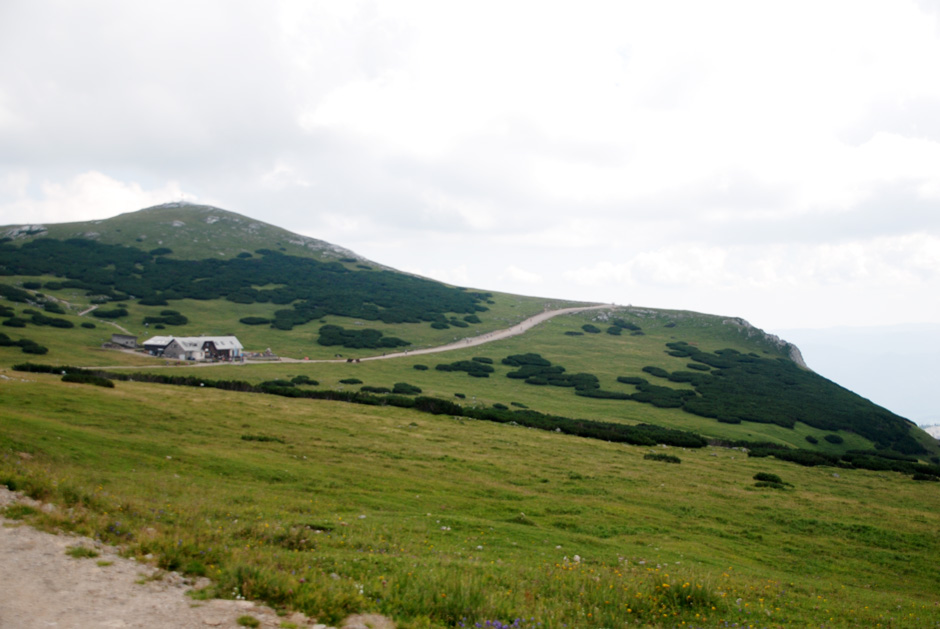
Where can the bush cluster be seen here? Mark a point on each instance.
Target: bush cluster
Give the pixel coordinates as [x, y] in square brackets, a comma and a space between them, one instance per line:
[368, 338]
[473, 368]
[27, 346]
[167, 317]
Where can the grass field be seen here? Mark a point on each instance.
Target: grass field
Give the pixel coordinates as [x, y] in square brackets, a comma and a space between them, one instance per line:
[333, 508]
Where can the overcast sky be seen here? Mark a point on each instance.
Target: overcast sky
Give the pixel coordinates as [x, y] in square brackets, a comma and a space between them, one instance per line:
[777, 161]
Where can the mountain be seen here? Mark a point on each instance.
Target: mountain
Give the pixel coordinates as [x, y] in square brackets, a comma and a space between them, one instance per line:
[193, 231]
[713, 376]
[609, 466]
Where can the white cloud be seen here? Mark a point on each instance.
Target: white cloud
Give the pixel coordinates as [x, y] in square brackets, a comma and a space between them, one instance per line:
[87, 196]
[517, 274]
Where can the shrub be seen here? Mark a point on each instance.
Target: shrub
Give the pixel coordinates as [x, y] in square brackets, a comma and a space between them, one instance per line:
[421, 367]
[500, 406]
[115, 313]
[304, 380]
[573, 333]
[278, 382]
[834, 439]
[665, 458]
[767, 477]
[370, 389]
[403, 388]
[82, 378]
[153, 301]
[262, 438]
[254, 320]
[351, 381]
[591, 329]
[161, 251]
[15, 322]
[89, 325]
[614, 330]
[925, 477]
[813, 440]
[483, 359]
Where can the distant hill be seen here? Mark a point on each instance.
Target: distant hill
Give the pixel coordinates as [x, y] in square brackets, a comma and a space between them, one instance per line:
[194, 232]
[189, 269]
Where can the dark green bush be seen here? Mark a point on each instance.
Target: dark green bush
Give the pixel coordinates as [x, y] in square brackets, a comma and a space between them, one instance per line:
[254, 320]
[403, 388]
[614, 330]
[665, 458]
[115, 313]
[768, 477]
[262, 438]
[591, 329]
[161, 251]
[421, 367]
[302, 379]
[461, 396]
[573, 333]
[925, 477]
[82, 378]
[834, 439]
[15, 322]
[351, 381]
[813, 440]
[88, 325]
[483, 359]
[370, 389]
[501, 407]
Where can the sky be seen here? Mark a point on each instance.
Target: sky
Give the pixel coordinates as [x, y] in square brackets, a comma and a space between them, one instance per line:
[776, 161]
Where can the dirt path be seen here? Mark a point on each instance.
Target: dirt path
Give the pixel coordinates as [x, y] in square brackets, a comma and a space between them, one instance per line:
[41, 587]
[489, 337]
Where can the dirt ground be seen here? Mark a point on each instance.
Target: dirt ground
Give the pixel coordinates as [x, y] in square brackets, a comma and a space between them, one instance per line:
[42, 587]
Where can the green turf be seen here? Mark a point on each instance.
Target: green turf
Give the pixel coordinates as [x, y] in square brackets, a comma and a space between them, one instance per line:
[434, 520]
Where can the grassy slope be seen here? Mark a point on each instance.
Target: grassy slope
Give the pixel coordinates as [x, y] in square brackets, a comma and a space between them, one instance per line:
[467, 518]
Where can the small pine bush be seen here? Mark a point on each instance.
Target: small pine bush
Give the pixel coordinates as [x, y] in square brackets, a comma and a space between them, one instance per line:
[665, 458]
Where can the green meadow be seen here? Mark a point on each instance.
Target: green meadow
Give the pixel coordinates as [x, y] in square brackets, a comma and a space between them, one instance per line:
[436, 521]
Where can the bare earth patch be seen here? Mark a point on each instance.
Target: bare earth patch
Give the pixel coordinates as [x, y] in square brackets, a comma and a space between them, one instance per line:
[44, 587]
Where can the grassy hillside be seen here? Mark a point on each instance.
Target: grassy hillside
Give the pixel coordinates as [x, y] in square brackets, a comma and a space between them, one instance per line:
[440, 522]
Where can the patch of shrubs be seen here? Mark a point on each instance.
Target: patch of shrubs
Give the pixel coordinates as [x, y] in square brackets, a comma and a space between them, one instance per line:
[421, 367]
[403, 388]
[500, 406]
[573, 333]
[115, 313]
[460, 396]
[302, 379]
[167, 317]
[13, 293]
[27, 346]
[153, 301]
[925, 477]
[833, 439]
[254, 320]
[473, 368]
[263, 438]
[766, 479]
[331, 335]
[351, 381]
[88, 325]
[813, 440]
[665, 458]
[590, 328]
[15, 322]
[278, 382]
[84, 378]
